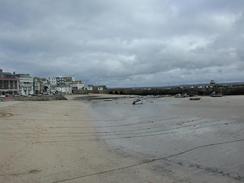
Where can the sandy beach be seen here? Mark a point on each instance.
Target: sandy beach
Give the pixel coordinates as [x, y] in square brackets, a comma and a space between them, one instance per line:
[42, 142]
[62, 141]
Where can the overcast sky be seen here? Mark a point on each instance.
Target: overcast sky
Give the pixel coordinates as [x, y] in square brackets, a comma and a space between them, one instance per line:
[124, 42]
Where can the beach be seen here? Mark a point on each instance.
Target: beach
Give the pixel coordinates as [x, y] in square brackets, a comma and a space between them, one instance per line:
[43, 142]
[163, 140]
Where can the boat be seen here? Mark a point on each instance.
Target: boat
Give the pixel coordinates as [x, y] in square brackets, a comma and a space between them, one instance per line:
[214, 94]
[217, 95]
[137, 101]
[179, 95]
[109, 99]
[195, 98]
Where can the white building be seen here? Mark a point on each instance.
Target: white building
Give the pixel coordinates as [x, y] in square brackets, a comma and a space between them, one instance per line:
[25, 84]
[79, 85]
[90, 87]
[65, 85]
[101, 88]
[64, 89]
[52, 81]
[38, 86]
[64, 80]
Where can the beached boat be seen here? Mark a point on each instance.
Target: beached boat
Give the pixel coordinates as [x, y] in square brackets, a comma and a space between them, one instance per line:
[137, 101]
[195, 98]
[109, 99]
[181, 95]
[216, 94]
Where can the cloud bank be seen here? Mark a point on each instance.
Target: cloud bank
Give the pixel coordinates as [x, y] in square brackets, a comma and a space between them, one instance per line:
[125, 43]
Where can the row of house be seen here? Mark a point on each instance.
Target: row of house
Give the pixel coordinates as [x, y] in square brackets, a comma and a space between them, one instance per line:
[96, 89]
[9, 83]
[25, 84]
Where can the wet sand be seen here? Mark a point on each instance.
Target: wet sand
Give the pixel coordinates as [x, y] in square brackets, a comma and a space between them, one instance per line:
[196, 141]
[163, 140]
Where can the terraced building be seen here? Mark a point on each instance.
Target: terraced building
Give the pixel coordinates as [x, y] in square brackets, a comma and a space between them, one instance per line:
[9, 83]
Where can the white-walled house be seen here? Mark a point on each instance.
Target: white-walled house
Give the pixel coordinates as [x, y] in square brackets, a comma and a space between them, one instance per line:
[26, 85]
[61, 84]
[64, 89]
[64, 80]
[90, 87]
[101, 88]
[79, 85]
[38, 85]
[52, 81]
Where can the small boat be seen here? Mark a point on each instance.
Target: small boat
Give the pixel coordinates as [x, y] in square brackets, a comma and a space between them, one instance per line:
[108, 99]
[178, 95]
[215, 94]
[181, 95]
[195, 98]
[137, 101]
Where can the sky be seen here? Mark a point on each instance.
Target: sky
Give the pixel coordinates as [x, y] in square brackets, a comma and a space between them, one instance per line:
[127, 43]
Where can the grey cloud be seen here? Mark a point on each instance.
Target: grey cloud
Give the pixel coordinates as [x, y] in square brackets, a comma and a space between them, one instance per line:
[124, 43]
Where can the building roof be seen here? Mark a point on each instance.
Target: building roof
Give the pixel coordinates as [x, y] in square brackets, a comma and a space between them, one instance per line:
[6, 78]
[7, 75]
[23, 75]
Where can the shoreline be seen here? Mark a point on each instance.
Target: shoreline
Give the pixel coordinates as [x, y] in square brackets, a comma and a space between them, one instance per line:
[90, 97]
